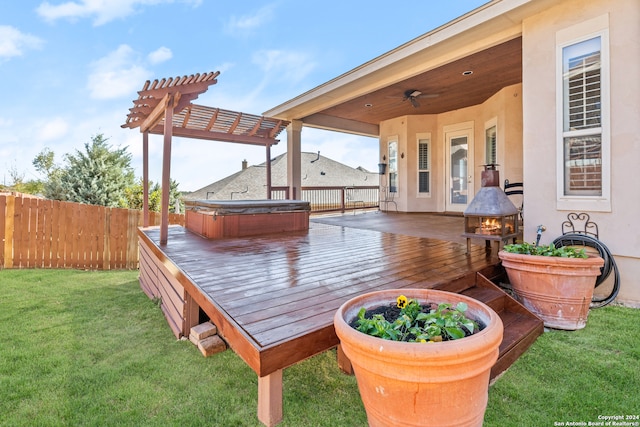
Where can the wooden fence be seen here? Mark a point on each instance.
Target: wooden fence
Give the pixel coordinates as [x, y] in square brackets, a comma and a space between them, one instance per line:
[41, 233]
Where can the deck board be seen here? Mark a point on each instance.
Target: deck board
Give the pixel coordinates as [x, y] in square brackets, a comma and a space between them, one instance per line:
[276, 294]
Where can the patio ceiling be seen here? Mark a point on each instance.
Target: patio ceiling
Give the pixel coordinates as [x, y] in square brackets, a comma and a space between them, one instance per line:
[445, 88]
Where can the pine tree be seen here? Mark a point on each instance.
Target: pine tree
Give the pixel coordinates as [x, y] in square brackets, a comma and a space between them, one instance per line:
[98, 176]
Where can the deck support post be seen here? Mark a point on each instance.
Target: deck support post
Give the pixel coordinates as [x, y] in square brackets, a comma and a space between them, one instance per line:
[191, 315]
[270, 398]
[343, 361]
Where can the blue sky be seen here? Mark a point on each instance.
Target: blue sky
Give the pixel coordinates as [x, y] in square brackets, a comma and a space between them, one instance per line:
[70, 69]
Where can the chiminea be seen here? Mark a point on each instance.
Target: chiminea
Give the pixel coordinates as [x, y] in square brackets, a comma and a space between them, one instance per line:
[490, 215]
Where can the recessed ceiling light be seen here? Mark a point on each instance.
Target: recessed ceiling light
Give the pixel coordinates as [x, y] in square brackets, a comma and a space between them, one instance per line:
[467, 73]
[368, 105]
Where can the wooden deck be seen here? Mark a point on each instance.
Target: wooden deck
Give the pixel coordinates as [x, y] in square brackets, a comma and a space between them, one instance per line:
[273, 297]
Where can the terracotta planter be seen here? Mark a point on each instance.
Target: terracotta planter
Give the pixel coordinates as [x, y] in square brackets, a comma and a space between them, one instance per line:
[418, 384]
[558, 290]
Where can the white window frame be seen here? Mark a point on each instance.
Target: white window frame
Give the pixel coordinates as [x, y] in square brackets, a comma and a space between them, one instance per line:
[423, 138]
[596, 27]
[493, 123]
[392, 153]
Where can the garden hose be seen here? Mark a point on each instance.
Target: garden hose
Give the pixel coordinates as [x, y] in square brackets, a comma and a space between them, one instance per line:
[574, 239]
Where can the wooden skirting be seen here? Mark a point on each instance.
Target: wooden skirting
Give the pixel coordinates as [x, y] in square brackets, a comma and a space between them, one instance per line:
[214, 226]
[158, 282]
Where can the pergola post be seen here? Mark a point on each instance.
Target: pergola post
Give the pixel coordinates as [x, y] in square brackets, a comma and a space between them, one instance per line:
[268, 149]
[294, 162]
[145, 179]
[166, 171]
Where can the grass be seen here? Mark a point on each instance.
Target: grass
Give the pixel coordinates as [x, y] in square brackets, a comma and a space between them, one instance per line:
[574, 376]
[90, 349]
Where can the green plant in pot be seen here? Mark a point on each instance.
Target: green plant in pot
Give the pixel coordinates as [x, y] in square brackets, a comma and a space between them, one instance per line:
[554, 283]
[409, 321]
[422, 357]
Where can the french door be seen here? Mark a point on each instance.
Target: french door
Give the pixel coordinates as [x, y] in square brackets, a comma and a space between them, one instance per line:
[459, 170]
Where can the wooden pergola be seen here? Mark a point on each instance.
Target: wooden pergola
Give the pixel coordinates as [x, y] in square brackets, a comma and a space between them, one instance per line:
[165, 107]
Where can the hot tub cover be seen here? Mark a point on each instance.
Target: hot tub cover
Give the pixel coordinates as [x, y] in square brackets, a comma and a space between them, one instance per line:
[240, 207]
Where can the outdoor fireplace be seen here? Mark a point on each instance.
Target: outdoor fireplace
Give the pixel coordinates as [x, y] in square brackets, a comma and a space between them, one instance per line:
[490, 215]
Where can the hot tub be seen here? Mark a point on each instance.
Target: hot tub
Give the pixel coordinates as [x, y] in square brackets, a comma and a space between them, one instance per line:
[216, 219]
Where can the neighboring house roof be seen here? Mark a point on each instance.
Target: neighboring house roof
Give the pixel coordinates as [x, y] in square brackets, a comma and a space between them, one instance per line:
[317, 171]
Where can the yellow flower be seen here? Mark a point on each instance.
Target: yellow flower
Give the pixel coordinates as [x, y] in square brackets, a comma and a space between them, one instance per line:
[401, 301]
[423, 340]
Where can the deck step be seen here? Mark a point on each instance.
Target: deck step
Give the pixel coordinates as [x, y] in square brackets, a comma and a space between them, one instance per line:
[491, 297]
[521, 327]
[520, 331]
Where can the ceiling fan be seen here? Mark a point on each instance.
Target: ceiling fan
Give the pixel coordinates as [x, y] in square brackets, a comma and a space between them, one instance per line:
[413, 94]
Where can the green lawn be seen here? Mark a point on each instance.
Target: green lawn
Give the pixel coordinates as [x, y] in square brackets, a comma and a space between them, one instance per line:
[89, 348]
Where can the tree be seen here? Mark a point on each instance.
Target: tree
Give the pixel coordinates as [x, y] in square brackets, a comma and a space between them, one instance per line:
[19, 184]
[134, 196]
[44, 162]
[98, 176]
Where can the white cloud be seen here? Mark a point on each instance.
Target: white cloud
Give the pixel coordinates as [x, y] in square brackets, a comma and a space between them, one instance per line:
[246, 23]
[287, 66]
[102, 11]
[53, 129]
[159, 55]
[14, 43]
[116, 75]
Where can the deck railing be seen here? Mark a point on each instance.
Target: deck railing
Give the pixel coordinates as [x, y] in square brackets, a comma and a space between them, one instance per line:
[327, 199]
[42, 233]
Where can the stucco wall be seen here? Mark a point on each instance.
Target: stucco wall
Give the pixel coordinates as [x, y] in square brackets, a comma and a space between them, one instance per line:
[618, 224]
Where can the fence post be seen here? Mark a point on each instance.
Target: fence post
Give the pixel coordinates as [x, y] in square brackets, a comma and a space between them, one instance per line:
[106, 260]
[9, 212]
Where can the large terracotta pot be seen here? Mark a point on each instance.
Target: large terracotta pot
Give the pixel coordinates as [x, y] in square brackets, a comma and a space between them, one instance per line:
[421, 384]
[556, 289]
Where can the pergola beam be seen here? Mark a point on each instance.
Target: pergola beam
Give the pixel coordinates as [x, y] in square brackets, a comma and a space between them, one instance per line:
[156, 115]
[215, 136]
[185, 89]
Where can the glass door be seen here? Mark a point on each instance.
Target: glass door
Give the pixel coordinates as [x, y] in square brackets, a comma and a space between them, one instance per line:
[459, 170]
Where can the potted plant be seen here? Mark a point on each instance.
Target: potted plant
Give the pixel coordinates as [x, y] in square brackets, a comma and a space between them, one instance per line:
[428, 366]
[554, 283]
